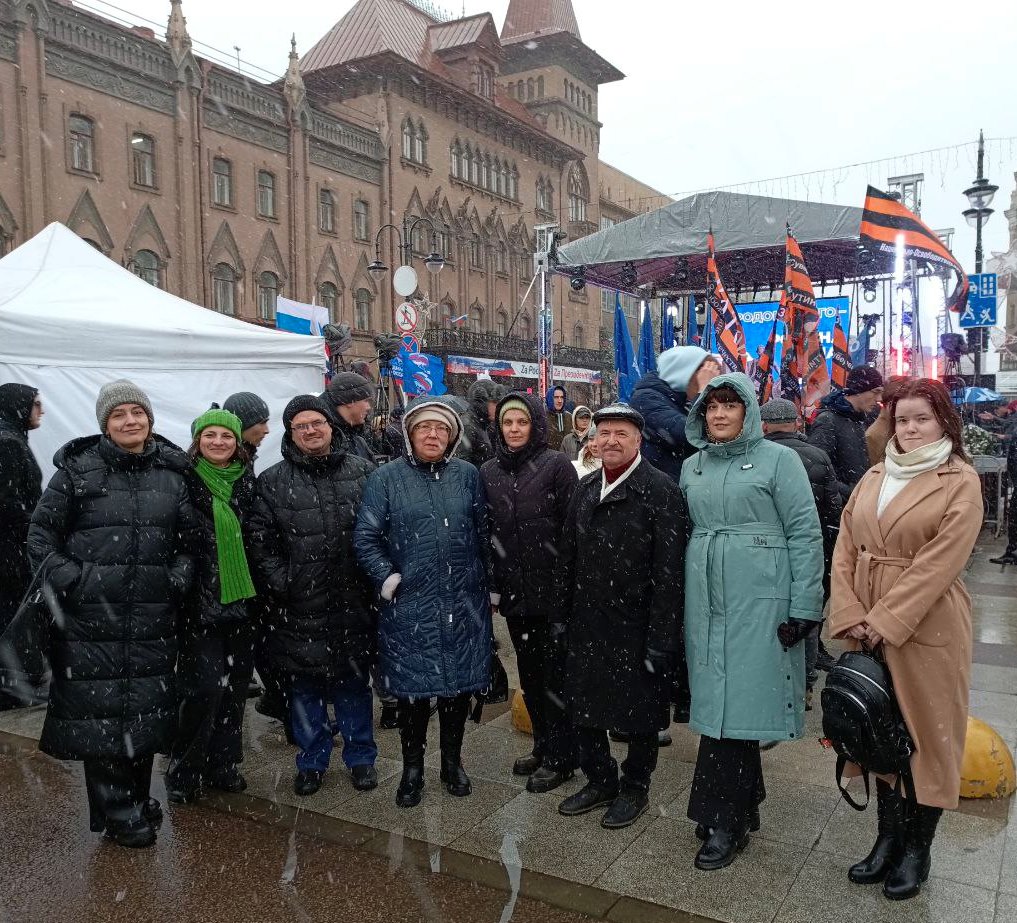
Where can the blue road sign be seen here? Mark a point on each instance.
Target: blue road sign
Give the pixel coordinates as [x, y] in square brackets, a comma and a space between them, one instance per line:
[980, 310]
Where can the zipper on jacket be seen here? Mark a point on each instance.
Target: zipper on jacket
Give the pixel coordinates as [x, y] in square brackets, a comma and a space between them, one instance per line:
[133, 487]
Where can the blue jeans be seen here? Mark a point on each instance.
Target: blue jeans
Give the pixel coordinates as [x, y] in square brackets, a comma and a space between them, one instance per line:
[312, 729]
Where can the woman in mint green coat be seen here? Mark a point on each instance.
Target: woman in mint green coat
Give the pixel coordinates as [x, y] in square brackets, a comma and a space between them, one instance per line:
[753, 589]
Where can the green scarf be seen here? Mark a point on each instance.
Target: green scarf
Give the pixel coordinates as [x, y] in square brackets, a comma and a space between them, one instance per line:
[234, 574]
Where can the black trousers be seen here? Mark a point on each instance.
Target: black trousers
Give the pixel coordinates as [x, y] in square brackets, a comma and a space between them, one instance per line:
[601, 768]
[117, 789]
[541, 668]
[728, 784]
[414, 716]
[213, 673]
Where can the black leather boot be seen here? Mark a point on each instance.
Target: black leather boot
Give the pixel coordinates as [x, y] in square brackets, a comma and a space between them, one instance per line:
[703, 832]
[413, 719]
[451, 727]
[889, 839]
[720, 849]
[905, 879]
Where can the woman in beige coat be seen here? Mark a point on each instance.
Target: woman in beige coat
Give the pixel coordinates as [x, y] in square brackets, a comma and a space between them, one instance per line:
[905, 537]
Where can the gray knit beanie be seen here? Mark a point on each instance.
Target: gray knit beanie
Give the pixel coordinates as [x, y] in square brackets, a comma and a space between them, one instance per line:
[248, 406]
[118, 392]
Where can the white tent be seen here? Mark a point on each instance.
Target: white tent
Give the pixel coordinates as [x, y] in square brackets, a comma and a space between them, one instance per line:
[71, 320]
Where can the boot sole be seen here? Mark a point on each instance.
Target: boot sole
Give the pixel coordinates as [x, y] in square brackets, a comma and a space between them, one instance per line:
[716, 867]
[408, 801]
[612, 825]
[906, 896]
[586, 810]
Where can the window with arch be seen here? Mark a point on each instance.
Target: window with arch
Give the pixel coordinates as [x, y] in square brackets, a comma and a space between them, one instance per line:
[529, 88]
[467, 163]
[578, 337]
[326, 211]
[268, 293]
[455, 158]
[499, 177]
[409, 138]
[513, 183]
[420, 144]
[524, 327]
[475, 168]
[143, 159]
[485, 82]
[545, 195]
[520, 90]
[361, 220]
[476, 253]
[485, 171]
[328, 298]
[224, 289]
[525, 263]
[266, 194]
[578, 197]
[540, 88]
[81, 135]
[362, 310]
[501, 259]
[501, 324]
[447, 313]
[222, 182]
[145, 265]
[477, 320]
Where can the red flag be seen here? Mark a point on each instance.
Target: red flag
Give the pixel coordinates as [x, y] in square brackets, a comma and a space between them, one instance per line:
[726, 323]
[764, 367]
[841, 356]
[884, 220]
[817, 375]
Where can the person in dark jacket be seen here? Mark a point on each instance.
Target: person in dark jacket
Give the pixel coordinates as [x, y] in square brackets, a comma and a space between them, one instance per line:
[839, 429]
[349, 396]
[253, 414]
[621, 585]
[780, 424]
[582, 420]
[20, 488]
[528, 488]
[476, 446]
[112, 534]
[559, 417]
[217, 632]
[422, 537]
[664, 397]
[324, 638]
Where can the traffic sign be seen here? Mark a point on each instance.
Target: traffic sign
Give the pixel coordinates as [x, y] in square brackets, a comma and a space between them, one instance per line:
[980, 310]
[406, 317]
[411, 343]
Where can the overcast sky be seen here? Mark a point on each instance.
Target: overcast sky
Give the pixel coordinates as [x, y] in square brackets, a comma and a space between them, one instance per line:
[722, 93]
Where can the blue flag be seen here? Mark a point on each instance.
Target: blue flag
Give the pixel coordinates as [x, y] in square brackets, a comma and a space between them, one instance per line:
[667, 327]
[860, 344]
[647, 357]
[692, 339]
[624, 356]
[419, 373]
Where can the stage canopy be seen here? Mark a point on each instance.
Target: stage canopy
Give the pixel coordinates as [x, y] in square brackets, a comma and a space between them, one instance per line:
[664, 251]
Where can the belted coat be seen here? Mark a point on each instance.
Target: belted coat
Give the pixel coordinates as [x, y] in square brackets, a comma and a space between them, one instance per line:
[901, 573]
[755, 558]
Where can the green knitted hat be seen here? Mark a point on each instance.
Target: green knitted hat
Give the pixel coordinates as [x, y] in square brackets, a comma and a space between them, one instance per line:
[216, 416]
[514, 403]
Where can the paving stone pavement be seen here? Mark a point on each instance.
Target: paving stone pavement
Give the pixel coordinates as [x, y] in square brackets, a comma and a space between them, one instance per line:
[794, 869]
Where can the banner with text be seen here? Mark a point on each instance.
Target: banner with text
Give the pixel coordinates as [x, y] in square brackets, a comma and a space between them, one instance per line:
[504, 368]
[757, 321]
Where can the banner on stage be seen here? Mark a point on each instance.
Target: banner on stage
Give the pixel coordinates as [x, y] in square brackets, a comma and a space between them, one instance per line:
[504, 368]
[757, 321]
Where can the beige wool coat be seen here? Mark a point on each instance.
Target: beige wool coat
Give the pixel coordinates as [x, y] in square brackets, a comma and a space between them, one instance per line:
[901, 573]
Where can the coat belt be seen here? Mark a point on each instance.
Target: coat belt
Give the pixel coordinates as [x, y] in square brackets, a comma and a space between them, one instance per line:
[863, 573]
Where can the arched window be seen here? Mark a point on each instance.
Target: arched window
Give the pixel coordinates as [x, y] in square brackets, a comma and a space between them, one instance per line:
[524, 327]
[420, 145]
[362, 310]
[485, 171]
[578, 196]
[540, 88]
[529, 89]
[361, 222]
[326, 211]
[501, 258]
[266, 194]
[501, 324]
[224, 289]
[447, 313]
[499, 177]
[408, 139]
[475, 168]
[268, 292]
[81, 136]
[476, 253]
[477, 320]
[513, 183]
[145, 265]
[578, 338]
[455, 156]
[328, 298]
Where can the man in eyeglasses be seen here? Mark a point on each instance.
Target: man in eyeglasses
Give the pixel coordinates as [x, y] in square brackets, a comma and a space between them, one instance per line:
[20, 488]
[323, 635]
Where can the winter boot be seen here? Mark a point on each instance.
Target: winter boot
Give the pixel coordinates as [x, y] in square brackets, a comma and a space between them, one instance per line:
[413, 719]
[452, 725]
[905, 879]
[720, 849]
[1007, 557]
[889, 840]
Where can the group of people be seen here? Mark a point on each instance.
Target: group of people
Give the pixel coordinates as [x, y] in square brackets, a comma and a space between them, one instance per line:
[670, 556]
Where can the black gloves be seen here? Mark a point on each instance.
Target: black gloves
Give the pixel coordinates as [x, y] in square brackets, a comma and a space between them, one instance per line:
[660, 663]
[792, 631]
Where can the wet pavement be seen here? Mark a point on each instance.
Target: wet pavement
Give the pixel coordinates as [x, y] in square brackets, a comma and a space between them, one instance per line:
[359, 857]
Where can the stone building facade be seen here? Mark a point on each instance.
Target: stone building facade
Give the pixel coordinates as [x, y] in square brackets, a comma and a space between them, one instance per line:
[230, 192]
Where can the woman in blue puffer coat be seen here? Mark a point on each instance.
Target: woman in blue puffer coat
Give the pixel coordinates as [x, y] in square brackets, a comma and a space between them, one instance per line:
[422, 538]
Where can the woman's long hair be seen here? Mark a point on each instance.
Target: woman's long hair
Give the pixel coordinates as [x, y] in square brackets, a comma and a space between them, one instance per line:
[939, 399]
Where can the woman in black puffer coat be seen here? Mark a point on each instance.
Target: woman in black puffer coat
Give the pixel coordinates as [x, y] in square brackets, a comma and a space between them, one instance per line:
[217, 632]
[112, 535]
[528, 487]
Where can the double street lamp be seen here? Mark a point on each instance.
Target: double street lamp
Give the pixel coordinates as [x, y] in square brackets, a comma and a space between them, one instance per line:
[434, 261]
[979, 198]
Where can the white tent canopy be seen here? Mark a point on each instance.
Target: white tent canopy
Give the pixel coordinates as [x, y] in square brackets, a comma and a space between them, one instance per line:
[71, 320]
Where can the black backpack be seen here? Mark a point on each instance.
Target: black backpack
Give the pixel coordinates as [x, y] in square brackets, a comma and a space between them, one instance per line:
[862, 721]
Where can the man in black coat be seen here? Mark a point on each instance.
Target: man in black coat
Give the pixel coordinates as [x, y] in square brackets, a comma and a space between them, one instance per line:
[839, 429]
[780, 424]
[478, 422]
[324, 634]
[622, 598]
[349, 398]
[528, 488]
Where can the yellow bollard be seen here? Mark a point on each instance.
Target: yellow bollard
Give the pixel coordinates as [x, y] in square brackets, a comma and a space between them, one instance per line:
[987, 770]
[520, 716]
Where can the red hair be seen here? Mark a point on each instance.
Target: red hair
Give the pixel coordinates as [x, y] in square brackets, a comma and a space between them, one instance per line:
[935, 393]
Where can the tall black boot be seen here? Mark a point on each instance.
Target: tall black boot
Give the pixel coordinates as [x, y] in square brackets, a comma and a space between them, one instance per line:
[889, 840]
[905, 878]
[452, 715]
[413, 718]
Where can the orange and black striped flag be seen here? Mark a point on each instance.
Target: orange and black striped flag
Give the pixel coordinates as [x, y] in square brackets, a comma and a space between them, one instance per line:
[790, 379]
[817, 375]
[884, 220]
[841, 357]
[764, 368]
[726, 323]
[798, 299]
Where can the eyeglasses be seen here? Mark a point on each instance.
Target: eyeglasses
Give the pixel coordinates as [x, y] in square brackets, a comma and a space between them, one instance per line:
[440, 428]
[304, 427]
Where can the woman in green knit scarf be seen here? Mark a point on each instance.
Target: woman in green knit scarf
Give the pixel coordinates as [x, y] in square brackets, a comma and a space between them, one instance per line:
[217, 632]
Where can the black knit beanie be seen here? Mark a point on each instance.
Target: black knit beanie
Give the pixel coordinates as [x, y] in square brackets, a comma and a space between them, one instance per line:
[348, 388]
[248, 406]
[304, 402]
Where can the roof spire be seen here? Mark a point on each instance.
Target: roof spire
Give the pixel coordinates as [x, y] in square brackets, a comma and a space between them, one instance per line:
[534, 17]
[177, 36]
[293, 85]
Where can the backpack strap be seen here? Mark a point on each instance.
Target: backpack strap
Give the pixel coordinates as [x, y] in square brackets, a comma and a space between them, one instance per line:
[841, 763]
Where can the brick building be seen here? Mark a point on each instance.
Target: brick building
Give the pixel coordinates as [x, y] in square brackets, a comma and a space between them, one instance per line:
[231, 192]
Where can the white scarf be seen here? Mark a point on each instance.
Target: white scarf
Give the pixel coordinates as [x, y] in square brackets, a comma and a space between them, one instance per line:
[902, 467]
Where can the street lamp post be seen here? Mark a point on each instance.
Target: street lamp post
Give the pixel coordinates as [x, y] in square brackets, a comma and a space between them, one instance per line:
[434, 261]
[979, 198]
